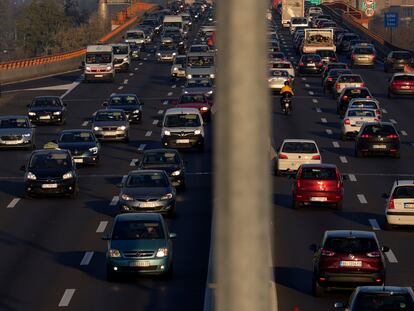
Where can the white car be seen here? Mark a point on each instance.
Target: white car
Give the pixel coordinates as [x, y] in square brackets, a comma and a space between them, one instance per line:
[283, 65]
[277, 79]
[297, 22]
[369, 103]
[347, 80]
[399, 208]
[354, 119]
[295, 152]
[178, 67]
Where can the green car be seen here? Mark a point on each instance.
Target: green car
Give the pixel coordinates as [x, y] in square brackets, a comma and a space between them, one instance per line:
[139, 243]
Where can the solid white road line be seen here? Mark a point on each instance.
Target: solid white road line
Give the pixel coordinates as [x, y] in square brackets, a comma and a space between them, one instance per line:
[13, 202]
[102, 226]
[311, 93]
[393, 121]
[140, 64]
[85, 123]
[352, 177]
[148, 134]
[120, 88]
[314, 100]
[319, 110]
[66, 298]
[155, 122]
[323, 120]
[335, 144]
[71, 88]
[160, 111]
[169, 93]
[362, 199]
[329, 131]
[343, 159]
[141, 147]
[404, 133]
[133, 161]
[391, 257]
[131, 74]
[374, 224]
[114, 201]
[86, 258]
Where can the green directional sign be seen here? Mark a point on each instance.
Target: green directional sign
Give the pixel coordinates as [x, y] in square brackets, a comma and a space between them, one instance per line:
[314, 2]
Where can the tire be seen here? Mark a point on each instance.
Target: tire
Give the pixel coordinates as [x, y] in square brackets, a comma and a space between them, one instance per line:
[295, 205]
[339, 206]
[317, 290]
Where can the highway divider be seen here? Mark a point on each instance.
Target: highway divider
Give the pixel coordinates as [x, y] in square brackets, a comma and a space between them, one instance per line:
[15, 71]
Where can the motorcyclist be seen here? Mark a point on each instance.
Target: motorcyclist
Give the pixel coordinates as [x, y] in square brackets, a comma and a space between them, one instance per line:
[286, 92]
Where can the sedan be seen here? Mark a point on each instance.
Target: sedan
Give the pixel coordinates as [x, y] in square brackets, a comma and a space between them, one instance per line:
[277, 79]
[331, 66]
[346, 80]
[283, 65]
[353, 121]
[349, 93]
[140, 243]
[82, 144]
[401, 84]
[110, 124]
[363, 56]
[199, 86]
[129, 103]
[16, 131]
[327, 56]
[397, 60]
[147, 190]
[310, 64]
[47, 109]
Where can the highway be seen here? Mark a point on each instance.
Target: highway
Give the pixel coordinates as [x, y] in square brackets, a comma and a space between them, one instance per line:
[53, 254]
[314, 117]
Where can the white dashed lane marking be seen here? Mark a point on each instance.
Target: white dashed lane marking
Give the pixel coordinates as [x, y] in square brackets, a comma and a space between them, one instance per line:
[120, 88]
[307, 85]
[393, 121]
[374, 224]
[13, 203]
[145, 58]
[148, 134]
[329, 131]
[323, 120]
[160, 111]
[140, 64]
[170, 93]
[303, 79]
[85, 123]
[102, 226]
[391, 257]
[67, 297]
[114, 201]
[86, 259]
[155, 122]
[383, 110]
[319, 110]
[343, 159]
[165, 102]
[133, 161]
[141, 147]
[136, 68]
[404, 133]
[126, 81]
[311, 93]
[315, 101]
[362, 199]
[173, 86]
[352, 177]
[131, 74]
[335, 144]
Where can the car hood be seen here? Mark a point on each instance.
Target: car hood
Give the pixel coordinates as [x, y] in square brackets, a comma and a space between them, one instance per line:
[48, 109]
[15, 131]
[42, 173]
[146, 193]
[77, 145]
[109, 123]
[125, 245]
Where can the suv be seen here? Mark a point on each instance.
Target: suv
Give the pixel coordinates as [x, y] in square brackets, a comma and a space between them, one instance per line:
[347, 258]
[399, 209]
[401, 84]
[397, 60]
[318, 183]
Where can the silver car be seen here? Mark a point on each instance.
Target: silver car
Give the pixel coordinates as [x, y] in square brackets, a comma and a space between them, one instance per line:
[199, 86]
[110, 124]
[16, 131]
[277, 79]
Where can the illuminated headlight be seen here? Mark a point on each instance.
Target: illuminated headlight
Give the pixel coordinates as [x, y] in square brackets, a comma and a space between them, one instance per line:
[189, 76]
[93, 149]
[176, 173]
[197, 132]
[175, 69]
[185, 92]
[97, 128]
[68, 175]
[181, 43]
[174, 53]
[135, 111]
[28, 135]
[162, 252]
[32, 113]
[121, 128]
[210, 92]
[203, 109]
[167, 133]
[114, 253]
[212, 75]
[30, 176]
[126, 197]
[167, 196]
[88, 68]
[56, 113]
[125, 59]
[109, 68]
[159, 54]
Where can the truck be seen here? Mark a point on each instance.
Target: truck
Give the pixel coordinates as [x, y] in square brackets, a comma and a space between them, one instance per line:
[292, 8]
[174, 21]
[318, 39]
[99, 63]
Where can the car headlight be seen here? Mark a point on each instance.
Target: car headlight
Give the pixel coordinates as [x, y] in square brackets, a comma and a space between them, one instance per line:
[176, 173]
[167, 196]
[197, 132]
[68, 175]
[93, 149]
[189, 76]
[109, 68]
[136, 111]
[203, 109]
[162, 252]
[126, 197]
[159, 54]
[97, 128]
[174, 53]
[185, 92]
[56, 113]
[122, 128]
[30, 176]
[167, 133]
[114, 253]
[32, 113]
[88, 68]
[175, 69]
[212, 75]
[26, 135]
[210, 92]
[125, 59]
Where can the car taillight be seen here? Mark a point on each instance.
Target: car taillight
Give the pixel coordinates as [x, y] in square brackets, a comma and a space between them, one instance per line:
[368, 97]
[329, 79]
[282, 156]
[327, 253]
[319, 65]
[391, 205]
[337, 86]
[378, 112]
[363, 84]
[345, 97]
[375, 254]
[347, 122]
[392, 136]
[316, 157]
[365, 136]
[298, 183]
[376, 120]
[301, 64]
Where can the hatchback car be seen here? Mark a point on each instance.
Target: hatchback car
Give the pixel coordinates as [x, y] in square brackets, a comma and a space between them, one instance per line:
[331, 78]
[366, 103]
[199, 86]
[295, 152]
[283, 65]
[346, 259]
[349, 93]
[327, 56]
[197, 101]
[110, 124]
[129, 103]
[319, 184]
[377, 138]
[139, 243]
[346, 80]
[379, 298]
[362, 55]
[277, 79]
[82, 144]
[47, 109]
[147, 190]
[354, 119]
[397, 60]
[16, 131]
[168, 160]
[401, 84]
[50, 172]
[399, 208]
[310, 64]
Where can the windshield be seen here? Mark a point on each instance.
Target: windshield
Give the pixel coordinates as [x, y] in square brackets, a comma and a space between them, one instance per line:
[384, 301]
[120, 49]
[137, 230]
[134, 35]
[182, 120]
[379, 130]
[161, 158]
[110, 116]
[123, 100]
[311, 58]
[361, 113]
[401, 55]
[46, 102]
[364, 51]
[364, 104]
[200, 83]
[190, 99]
[14, 123]
[98, 58]
[76, 137]
[299, 147]
[326, 173]
[50, 161]
[147, 180]
[350, 79]
[200, 61]
[351, 245]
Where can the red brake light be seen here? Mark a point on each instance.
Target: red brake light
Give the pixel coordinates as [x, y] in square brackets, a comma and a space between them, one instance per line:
[391, 205]
[365, 136]
[282, 156]
[337, 86]
[345, 97]
[363, 84]
[327, 253]
[375, 254]
[330, 79]
[347, 122]
[392, 136]
[320, 65]
[376, 120]
[368, 97]
[316, 157]
[378, 112]
[301, 64]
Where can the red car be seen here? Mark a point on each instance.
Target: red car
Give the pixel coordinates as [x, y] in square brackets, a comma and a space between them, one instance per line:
[318, 183]
[346, 259]
[401, 83]
[199, 101]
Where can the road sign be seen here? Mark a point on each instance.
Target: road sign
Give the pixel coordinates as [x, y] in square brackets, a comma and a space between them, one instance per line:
[369, 12]
[391, 20]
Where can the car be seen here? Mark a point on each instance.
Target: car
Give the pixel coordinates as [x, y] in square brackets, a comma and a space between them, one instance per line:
[198, 48]
[346, 259]
[346, 80]
[277, 79]
[17, 131]
[369, 103]
[377, 138]
[295, 152]
[345, 41]
[46, 110]
[50, 172]
[297, 22]
[129, 103]
[327, 24]
[362, 55]
[284, 65]
[399, 207]
[353, 43]
[82, 144]
[198, 101]
[397, 60]
[276, 57]
[274, 46]
[347, 94]
[182, 128]
[331, 78]
[379, 298]
[168, 160]
[166, 53]
[310, 64]
[178, 67]
[110, 124]
[401, 84]
[122, 56]
[327, 56]
[135, 51]
[332, 65]
[318, 184]
[354, 119]
[139, 243]
[147, 190]
[199, 86]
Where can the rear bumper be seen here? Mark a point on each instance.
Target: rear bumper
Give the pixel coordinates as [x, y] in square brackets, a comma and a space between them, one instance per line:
[400, 218]
[371, 147]
[99, 76]
[317, 197]
[310, 70]
[402, 91]
[349, 279]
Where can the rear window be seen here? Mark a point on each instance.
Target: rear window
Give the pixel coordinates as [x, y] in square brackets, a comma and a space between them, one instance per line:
[401, 55]
[356, 93]
[364, 51]
[403, 192]
[381, 130]
[364, 104]
[361, 113]
[350, 245]
[311, 58]
[318, 173]
[297, 147]
[350, 79]
[404, 78]
[383, 301]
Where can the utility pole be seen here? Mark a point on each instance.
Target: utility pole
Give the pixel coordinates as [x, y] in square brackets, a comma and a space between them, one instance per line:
[241, 157]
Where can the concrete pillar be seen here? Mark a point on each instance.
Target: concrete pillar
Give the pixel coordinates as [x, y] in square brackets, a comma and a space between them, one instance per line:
[103, 11]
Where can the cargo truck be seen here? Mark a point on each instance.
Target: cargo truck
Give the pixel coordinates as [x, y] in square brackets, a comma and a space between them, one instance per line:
[318, 39]
[292, 8]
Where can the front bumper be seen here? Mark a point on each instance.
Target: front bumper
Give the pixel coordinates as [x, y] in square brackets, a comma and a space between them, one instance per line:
[182, 142]
[99, 76]
[57, 187]
[161, 206]
[16, 143]
[46, 118]
[348, 279]
[130, 265]
[111, 135]
[318, 197]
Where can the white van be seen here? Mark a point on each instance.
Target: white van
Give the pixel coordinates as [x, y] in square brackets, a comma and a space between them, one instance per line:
[122, 56]
[201, 65]
[171, 21]
[98, 64]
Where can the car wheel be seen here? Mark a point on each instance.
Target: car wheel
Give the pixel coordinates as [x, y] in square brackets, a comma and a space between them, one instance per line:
[295, 204]
[317, 290]
[339, 206]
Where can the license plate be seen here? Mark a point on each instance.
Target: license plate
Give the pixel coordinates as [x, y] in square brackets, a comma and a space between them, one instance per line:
[318, 199]
[98, 76]
[183, 141]
[379, 146]
[408, 205]
[109, 133]
[78, 160]
[139, 264]
[49, 186]
[310, 65]
[148, 204]
[44, 117]
[405, 87]
[347, 263]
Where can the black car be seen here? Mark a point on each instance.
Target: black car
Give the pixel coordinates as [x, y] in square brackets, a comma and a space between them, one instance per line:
[47, 109]
[168, 160]
[331, 66]
[327, 56]
[377, 138]
[135, 51]
[396, 60]
[331, 77]
[310, 64]
[82, 144]
[50, 172]
[349, 93]
[127, 102]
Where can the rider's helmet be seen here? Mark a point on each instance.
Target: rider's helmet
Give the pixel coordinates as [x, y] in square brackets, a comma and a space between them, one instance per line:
[287, 83]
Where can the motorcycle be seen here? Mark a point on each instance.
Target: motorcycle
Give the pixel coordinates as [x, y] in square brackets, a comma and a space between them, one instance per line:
[286, 103]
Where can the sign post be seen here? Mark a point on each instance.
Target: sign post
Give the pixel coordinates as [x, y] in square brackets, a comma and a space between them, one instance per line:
[391, 20]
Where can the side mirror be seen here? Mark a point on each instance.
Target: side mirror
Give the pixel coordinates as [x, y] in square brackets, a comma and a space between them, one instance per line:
[173, 235]
[385, 195]
[339, 305]
[23, 168]
[313, 247]
[385, 249]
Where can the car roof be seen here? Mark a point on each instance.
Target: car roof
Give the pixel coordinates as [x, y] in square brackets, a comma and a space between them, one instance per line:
[381, 289]
[181, 111]
[349, 233]
[321, 165]
[403, 74]
[381, 123]
[138, 216]
[294, 140]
